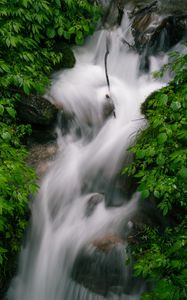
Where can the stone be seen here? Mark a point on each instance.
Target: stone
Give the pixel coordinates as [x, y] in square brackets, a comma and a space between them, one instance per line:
[108, 107]
[107, 242]
[103, 270]
[154, 33]
[36, 110]
[40, 157]
[93, 201]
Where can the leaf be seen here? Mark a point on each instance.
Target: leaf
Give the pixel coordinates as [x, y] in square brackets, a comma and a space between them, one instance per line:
[79, 38]
[60, 31]
[145, 194]
[86, 28]
[26, 89]
[157, 194]
[66, 35]
[6, 136]
[140, 154]
[1, 110]
[163, 99]
[175, 106]
[72, 30]
[183, 173]
[162, 138]
[51, 33]
[11, 112]
[160, 159]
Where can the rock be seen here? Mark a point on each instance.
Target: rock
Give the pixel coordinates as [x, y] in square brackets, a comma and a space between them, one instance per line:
[154, 33]
[108, 107]
[41, 135]
[104, 271]
[155, 30]
[173, 7]
[113, 12]
[36, 110]
[93, 202]
[107, 242]
[40, 157]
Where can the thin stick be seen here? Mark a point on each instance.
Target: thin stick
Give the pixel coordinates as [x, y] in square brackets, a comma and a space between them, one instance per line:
[106, 57]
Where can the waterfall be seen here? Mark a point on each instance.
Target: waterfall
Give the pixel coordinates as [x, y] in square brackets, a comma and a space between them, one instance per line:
[73, 209]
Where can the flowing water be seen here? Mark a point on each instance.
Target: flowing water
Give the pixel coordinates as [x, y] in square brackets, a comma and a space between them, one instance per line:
[92, 150]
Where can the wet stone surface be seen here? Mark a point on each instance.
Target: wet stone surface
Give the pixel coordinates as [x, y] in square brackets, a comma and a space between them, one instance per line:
[103, 270]
[36, 110]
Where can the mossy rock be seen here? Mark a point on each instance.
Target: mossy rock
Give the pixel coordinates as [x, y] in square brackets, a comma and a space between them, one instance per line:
[36, 110]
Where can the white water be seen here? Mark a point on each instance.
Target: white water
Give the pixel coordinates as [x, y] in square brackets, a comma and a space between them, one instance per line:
[60, 227]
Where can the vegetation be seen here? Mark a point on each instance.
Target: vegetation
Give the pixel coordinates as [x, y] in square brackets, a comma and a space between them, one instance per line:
[29, 35]
[160, 166]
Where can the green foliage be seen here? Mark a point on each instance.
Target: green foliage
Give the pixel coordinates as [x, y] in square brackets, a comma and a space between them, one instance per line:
[17, 182]
[30, 34]
[160, 167]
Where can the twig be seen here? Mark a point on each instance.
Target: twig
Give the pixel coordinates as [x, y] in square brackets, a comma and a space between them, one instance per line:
[125, 42]
[106, 57]
[139, 119]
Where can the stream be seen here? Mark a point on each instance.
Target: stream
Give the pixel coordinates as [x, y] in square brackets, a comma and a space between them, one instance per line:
[79, 204]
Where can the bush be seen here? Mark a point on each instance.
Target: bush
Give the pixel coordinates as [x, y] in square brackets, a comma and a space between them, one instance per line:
[160, 166]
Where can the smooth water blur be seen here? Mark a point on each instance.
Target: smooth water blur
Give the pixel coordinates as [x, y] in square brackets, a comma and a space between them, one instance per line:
[92, 150]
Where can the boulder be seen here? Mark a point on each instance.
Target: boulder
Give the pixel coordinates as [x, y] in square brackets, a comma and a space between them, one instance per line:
[40, 157]
[173, 7]
[108, 107]
[103, 271]
[93, 201]
[154, 32]
[107, 242]
[36, 110]
[156, 29]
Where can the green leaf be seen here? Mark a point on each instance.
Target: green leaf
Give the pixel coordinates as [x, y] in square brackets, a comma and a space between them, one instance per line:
[86, 28]
[157, 194]
[160, 159]
[66, 35]
[60, 31]
[1, 110]
[6, 136]
[11, 112]
[51, 33]
[79, 38]
[162, 138]
[176, 106]
[140, 154]
[163, 99]
[145, 194]
[183, 172]
[72, 30]
[26, 89]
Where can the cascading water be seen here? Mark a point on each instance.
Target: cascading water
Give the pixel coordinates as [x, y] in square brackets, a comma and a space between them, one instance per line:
[70, 212]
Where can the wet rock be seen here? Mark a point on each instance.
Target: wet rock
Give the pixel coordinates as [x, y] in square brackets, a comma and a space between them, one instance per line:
[173, 7]
[41, 156]
[156, 29]
[105, 272]
[108, 242]
[94, 200]
[41, 135]
[108, 107]
[154, 32]
[36, 110]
